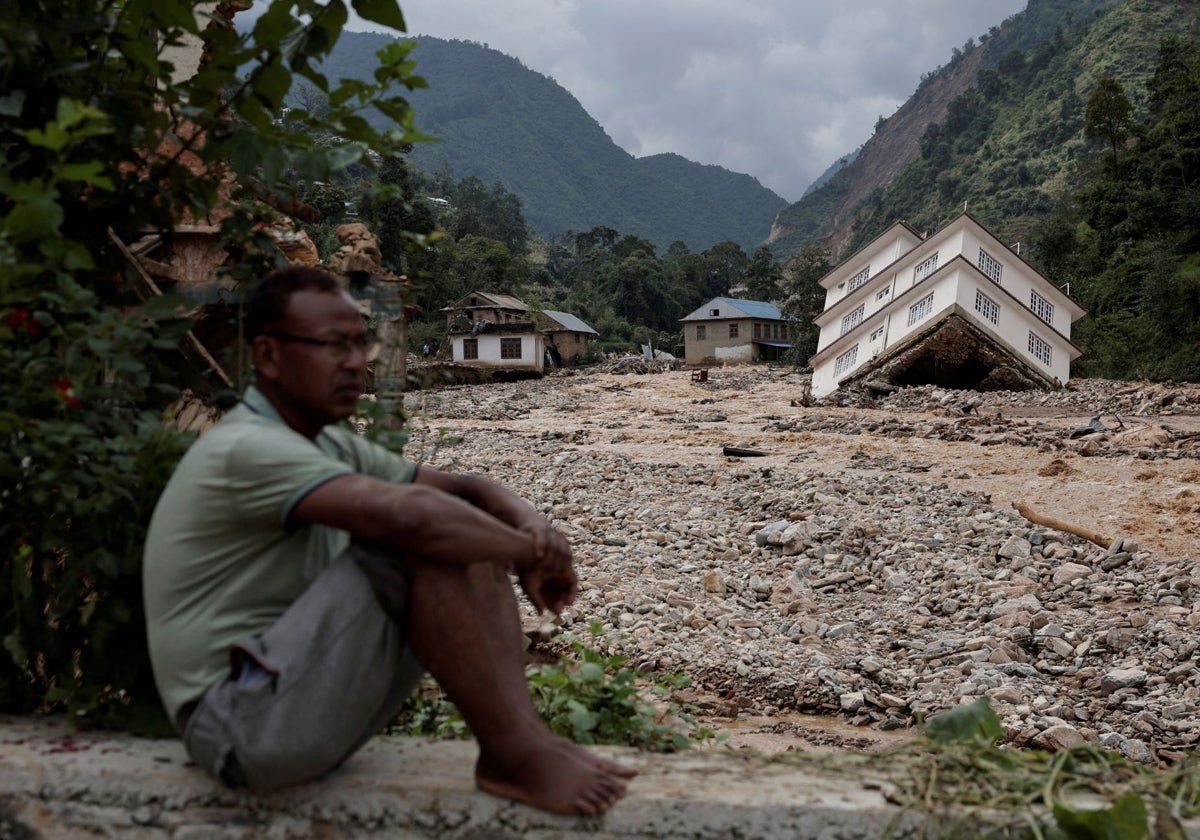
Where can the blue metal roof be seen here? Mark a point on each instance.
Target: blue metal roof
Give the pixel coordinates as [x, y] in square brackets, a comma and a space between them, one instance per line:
[751, 308]
[756, 308]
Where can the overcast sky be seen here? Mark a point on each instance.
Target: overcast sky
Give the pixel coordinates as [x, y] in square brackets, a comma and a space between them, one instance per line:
[779, 89]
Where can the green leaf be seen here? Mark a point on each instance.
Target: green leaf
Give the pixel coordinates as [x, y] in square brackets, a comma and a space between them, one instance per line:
[16, 648]
[1125, 820]
[141, 51]
[36, 217]
[88, 172]
[386, 12]
[591, 672]
[271, 84]
[162, 307]
[53, 137]
[582, 720]
[966, 724]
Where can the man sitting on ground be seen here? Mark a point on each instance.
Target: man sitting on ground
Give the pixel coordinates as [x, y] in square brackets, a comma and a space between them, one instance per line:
[299, 579]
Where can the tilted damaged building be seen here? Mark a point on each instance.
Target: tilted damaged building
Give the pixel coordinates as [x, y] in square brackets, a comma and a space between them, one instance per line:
[957, 308]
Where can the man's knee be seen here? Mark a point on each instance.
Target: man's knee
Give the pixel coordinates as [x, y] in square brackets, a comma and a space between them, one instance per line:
[389, 576]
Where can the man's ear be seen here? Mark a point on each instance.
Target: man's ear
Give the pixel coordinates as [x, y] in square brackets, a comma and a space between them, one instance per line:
[264, 353]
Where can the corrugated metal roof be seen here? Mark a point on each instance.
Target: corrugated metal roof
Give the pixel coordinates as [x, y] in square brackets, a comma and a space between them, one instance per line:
[569, 321]
[488, 299]
[750, 308]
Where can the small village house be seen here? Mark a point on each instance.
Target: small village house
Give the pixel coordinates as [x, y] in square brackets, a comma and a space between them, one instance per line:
[494, 330]
[732, 330]
[567, 337]
[957, 308]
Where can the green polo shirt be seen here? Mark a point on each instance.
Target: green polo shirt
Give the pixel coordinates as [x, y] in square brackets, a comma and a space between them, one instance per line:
[223, 559]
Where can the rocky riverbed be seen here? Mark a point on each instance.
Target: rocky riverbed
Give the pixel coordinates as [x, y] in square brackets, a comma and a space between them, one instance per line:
[861, 560]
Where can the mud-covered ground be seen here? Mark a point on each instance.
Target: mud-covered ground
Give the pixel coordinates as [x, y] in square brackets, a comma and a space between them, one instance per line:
[900, 579]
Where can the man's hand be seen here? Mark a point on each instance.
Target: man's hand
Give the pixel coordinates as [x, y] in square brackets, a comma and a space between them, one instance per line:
[549, 578]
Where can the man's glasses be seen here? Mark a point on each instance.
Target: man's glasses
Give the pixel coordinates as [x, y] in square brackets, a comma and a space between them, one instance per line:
[337, 348]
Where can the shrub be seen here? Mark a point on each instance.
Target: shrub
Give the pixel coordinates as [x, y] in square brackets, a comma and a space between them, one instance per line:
[95, 127]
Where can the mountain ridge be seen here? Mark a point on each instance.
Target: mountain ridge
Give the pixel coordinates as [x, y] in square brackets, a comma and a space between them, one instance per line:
[499, 121]
[833, 213]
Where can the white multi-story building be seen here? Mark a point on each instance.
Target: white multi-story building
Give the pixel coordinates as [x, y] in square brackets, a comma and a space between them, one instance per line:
[902, 287]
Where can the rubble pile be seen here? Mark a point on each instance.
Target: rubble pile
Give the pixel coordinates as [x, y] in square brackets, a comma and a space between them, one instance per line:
[1148, 441]
[1085, 396]
[633, 363]
[879, 602]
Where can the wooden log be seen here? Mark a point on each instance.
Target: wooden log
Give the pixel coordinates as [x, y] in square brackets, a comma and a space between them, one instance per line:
[1059, 525]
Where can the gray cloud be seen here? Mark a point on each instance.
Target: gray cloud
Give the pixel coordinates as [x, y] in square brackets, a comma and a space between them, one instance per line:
[778, 89]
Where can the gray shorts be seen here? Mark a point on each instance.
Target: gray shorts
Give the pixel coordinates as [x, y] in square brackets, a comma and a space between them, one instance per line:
[306, 694]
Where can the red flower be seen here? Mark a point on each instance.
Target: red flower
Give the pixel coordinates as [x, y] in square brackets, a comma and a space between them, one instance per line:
[22, 319]
[67, 392]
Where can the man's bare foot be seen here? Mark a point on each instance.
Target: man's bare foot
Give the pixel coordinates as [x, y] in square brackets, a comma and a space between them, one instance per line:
[624, 771]
[554, 774]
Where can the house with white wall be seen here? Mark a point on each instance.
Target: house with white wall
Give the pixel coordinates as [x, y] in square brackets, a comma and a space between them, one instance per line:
[957, 308]
[501, 331]
[494, 330]
[732, 330]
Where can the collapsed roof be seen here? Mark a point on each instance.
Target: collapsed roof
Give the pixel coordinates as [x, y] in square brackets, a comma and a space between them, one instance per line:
[953, 353]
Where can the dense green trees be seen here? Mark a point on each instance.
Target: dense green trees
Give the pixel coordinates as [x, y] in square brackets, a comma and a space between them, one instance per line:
[94, 126]
[1129, 241]
[1109, 115]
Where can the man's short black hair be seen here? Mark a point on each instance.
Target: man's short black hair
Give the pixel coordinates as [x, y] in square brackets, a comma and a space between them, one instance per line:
[269, 301]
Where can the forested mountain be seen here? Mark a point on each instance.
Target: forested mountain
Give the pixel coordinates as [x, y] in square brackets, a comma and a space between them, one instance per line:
[1083, 147]
[497, 120]
[833, 212]
[1072, 130]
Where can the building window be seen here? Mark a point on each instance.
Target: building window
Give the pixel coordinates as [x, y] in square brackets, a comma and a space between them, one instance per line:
[987, 307]
[845, 361]
[578, 338]
[470, 348]
[878, 334]
[926, 268]
[510, 348]
[882, 293]
[920, 309]
[853, 319]
[1039, 349]
[757, 330]
[989, 266]
[716, 313]
[733, 330]
[701, 332]
[1041, 307]
[858, 279]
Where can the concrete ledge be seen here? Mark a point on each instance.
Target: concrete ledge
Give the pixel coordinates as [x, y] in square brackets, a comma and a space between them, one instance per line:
[60, 784]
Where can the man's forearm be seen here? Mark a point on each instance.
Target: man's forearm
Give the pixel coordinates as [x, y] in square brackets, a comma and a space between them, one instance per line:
[425, 521]
[487, 495]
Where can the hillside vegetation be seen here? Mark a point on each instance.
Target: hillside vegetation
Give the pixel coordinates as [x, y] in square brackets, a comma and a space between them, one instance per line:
[1069, 130]
[1085, 150]
[494, 119]
[832, 211]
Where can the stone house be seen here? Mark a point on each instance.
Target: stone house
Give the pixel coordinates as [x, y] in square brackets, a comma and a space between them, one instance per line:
[957, 308]
[567, 337]
[732, 330]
